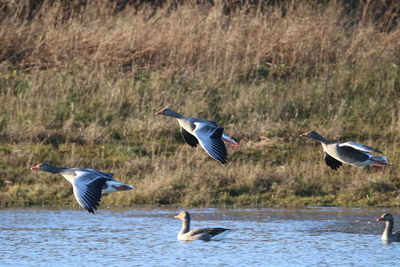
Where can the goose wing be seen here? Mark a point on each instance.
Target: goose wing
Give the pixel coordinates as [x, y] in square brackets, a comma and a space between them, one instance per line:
[189, 138]
[87, 188]
[208, 233]
[210, 140]
[360, 147]
[96, 172]
[213, 123]
[352, 155]
[332, 162]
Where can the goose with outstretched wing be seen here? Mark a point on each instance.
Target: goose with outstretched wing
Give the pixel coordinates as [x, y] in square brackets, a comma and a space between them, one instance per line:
[206, 133]
[88, 184]
[350, 153]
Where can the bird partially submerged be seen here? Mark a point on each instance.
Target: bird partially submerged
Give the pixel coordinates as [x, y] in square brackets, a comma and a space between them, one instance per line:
[388, 234]
[205, 234]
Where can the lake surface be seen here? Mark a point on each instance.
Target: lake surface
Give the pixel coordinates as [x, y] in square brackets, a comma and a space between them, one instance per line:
[147, 237]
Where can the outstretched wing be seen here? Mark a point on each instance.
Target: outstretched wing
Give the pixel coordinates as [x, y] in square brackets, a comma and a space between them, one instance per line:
[189, 138]
[95, 172]
[360, 147]
[332, 162]
[210, 140]
[87, 189]
[213, 123]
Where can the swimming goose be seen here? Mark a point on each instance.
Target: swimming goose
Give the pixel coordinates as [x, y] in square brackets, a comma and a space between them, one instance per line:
[387, 233]
[350, 153]
[88, 184]
[205, 234]
[206, 133]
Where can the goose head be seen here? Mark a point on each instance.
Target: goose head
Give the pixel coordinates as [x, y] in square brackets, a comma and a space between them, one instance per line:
[310, 134]
[169, 112]
[387, 217]
[46, 167]
[183, 216]
[313, 135]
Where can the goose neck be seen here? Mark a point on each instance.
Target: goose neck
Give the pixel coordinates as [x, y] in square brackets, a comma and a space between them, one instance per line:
[54, 169]
[388, 228]
[323, 140]
[185, 226]
[175, 114]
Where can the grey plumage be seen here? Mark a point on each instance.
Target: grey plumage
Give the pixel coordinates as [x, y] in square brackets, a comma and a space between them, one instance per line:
[205, 234]
[88, 184]
[206, 133]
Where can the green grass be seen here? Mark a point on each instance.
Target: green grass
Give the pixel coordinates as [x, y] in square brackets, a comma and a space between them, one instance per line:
[84, 94]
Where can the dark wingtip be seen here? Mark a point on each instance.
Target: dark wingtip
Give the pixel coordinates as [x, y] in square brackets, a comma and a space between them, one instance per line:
[222, 159]
[92, 209]
[335, 168]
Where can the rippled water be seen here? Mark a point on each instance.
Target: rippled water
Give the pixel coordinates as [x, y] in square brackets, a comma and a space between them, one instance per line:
[141, 237]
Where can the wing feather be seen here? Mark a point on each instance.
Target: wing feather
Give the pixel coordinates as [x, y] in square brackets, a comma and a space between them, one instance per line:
[360, 147]
[207, 234]
[189, 138]
[332, 162]
[87, 188]
[210, 140]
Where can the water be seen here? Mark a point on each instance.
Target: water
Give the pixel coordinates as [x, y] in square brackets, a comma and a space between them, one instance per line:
[147, 237]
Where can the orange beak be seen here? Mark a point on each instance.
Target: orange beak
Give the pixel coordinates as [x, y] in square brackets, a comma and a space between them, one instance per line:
[35, 167]
[160, 112]
[177, 216]
[379, 219]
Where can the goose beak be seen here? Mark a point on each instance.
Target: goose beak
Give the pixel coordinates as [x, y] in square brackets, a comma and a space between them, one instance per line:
[35, 167]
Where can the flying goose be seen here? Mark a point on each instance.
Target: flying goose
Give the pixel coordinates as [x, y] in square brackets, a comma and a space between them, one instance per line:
[205, 234]
[350, 153]
[206, 133]
[88, 184]
[387, 233]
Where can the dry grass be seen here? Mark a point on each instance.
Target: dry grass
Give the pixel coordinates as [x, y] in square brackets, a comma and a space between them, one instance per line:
[81, 90]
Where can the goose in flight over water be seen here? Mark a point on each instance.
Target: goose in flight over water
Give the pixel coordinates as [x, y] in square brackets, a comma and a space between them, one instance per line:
[350, 153]
[88, 184]
[206, 133]
[388, 234]
[205, 234]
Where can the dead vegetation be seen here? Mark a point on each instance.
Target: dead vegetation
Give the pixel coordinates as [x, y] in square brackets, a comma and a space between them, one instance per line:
[79, 86]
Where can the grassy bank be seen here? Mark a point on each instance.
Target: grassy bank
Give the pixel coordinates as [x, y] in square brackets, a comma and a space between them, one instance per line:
[81, 90]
